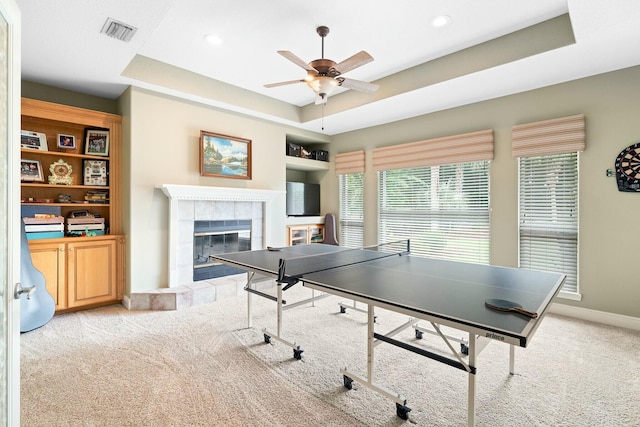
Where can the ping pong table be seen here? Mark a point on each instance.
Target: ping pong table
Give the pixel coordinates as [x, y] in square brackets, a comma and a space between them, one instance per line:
[440, 292]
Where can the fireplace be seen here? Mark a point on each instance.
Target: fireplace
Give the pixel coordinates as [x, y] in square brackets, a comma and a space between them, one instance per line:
[188, 204]
[217, 237]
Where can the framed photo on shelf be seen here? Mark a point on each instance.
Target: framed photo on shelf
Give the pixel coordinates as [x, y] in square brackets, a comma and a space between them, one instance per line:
[31, 171]
[95, 172]
[96, 142]
[67, 142]
[33, 140]
[224, 156]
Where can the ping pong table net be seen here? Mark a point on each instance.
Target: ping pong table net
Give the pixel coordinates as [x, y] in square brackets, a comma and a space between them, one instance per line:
[292, 270]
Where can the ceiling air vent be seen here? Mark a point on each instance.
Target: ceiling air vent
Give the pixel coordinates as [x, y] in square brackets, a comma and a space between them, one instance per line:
[118, 30]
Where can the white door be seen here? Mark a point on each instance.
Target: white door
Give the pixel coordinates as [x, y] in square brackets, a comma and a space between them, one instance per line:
[9, 213]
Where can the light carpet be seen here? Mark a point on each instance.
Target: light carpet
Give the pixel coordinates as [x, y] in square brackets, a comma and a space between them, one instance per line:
[201, 366]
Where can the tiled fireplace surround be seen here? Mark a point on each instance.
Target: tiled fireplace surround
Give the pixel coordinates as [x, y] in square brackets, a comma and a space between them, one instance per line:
[193, 203]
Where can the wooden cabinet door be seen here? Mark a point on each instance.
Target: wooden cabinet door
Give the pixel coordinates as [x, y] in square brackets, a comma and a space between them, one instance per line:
[91, 274]
[49, 258]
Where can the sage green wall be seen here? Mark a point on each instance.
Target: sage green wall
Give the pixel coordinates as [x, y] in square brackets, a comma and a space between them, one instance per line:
[66, 97]
[609, 234]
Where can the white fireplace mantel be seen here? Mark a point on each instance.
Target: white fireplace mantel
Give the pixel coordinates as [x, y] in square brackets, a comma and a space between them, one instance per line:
[196, 192]
[274, 217]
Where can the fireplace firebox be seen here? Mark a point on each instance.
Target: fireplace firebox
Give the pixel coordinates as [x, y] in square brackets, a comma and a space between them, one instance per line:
[216, 237]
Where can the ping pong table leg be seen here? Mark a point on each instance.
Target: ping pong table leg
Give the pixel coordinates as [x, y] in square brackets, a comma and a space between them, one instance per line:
[512, 356]
[249, 301]
[370, 342]
[471, 398]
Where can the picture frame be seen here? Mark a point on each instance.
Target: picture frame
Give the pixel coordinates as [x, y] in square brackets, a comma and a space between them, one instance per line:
[67, 142]
[95, 172]
[33, 140]
[96, 142]
[224, 156]
[31, 171]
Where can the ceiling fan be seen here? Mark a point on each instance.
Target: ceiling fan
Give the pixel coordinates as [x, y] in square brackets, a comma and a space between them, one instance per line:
[325, 75]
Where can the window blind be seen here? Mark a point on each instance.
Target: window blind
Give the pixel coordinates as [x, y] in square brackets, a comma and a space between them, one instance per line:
[443, 210]
[555, 136]
[352, 162]
[351, 233]
[464, 148]
[548, 211]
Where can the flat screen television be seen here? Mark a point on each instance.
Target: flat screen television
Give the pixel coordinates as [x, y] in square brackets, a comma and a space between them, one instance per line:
[303, 199]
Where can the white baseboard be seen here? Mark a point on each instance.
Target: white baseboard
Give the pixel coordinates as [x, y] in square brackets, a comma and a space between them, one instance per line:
[611, 319]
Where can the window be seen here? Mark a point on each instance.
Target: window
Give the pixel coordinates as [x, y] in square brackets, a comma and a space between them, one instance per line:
[548, 211]
[351, 210]
[443, 210]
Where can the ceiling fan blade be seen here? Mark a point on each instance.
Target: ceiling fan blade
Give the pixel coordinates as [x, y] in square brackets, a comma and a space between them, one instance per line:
[290, 82]
[293, 58]
[359, 85]
[353, 62]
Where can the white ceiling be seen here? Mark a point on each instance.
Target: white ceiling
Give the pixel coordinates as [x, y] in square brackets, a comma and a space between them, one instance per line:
[62, 46]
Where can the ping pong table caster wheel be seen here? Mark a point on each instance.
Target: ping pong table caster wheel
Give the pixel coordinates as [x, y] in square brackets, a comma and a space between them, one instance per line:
[348, 382]
[464, 349]
[402, 411]
[267, 339]
[297, 353]
[343, 310]
[419, 334]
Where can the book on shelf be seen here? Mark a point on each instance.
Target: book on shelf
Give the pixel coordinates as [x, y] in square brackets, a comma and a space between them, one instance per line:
[29, 228]
[45, 235]
[43, 219]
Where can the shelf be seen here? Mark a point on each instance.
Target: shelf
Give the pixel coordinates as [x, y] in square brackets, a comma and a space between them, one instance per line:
[301, 164]
[67, 204]
[43, 185]
[63, 154]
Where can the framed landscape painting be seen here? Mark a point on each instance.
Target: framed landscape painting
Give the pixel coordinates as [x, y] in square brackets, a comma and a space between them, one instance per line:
[224, 156]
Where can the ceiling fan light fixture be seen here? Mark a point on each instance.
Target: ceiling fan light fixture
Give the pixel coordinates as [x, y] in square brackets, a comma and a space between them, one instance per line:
[323, 85]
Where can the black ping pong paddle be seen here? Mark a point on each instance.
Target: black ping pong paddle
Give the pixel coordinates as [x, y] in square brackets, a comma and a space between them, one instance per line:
[504, 305]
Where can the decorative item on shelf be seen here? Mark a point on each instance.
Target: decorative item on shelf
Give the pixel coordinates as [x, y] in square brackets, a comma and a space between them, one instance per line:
[96, 142]
[320, 155]
[60, 173]
[628, 169]
[33, 140]
[67, 142]
[95, 172]
[97, 196]
[304, 153]
[31, 171]
[224, 156]
[64, 198]
[293, 150]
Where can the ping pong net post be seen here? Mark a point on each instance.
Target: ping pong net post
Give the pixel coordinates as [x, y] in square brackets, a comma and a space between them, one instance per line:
[291, 270]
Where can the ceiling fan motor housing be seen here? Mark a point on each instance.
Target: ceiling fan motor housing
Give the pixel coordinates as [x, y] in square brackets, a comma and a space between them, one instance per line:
[325, 67]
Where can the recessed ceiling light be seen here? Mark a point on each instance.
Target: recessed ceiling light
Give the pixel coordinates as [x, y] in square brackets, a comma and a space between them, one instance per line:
[213, 39]
[441, 21]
